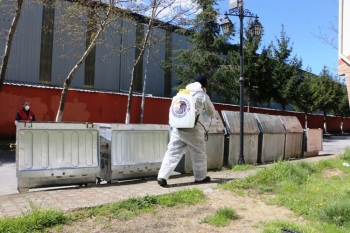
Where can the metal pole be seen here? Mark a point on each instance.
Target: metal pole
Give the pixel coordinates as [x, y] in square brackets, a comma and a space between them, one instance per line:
[241, 91]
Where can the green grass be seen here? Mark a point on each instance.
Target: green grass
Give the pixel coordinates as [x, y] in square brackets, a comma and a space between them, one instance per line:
[221, 217]
[277, 226]
[319, 192]
[38, 219]
[187, 196]
[243, 167]
[33, 221]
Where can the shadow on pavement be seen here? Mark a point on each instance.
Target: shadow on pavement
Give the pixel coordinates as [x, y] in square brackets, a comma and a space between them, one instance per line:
[213, 180]
[7, 157]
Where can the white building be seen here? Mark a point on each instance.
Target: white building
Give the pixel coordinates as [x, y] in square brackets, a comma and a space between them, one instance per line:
[344, 42]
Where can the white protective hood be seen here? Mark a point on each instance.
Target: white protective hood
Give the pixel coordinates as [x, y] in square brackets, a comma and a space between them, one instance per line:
[196, 86]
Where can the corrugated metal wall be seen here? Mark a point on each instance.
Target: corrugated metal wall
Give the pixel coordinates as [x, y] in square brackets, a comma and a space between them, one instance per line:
[179, 42]
[63, 56]
[128, 54]
[5, 22]
[24, 67]
[114, 59]
[108, 59]
[155, 74]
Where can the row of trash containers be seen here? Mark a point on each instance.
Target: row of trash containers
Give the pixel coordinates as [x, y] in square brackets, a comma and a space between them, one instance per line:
[266, 138]
[67, 153]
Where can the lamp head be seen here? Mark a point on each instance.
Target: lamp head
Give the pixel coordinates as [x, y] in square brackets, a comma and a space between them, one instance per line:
[256, 28]
[226, 26]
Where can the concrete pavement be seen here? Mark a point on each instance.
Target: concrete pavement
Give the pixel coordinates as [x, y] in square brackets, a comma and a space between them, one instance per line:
[78, 197]
[8, 179]
[75, 197]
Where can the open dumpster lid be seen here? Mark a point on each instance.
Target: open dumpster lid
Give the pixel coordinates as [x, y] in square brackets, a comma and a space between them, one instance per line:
[214, 125]
[270, 123]
[291, 124]
[232, 121]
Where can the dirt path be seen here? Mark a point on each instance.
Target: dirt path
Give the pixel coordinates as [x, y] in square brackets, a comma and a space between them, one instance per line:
[251, 213]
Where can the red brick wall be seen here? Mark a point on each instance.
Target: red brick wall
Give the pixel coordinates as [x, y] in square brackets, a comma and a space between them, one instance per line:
[84, 106]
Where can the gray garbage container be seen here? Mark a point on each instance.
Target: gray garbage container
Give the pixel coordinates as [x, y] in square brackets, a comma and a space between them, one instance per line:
[56, 153]
[273, 136]
[313, 142]
[294, 137]
[214, 145]
[250, 137]
[129, 151]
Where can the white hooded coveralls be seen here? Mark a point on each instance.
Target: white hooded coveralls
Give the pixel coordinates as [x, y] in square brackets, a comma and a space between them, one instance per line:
[192, 138]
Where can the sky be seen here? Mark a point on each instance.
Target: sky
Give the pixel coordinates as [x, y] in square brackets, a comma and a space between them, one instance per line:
[302, 21]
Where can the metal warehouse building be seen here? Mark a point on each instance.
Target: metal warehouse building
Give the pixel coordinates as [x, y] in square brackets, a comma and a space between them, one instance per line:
[42, 54]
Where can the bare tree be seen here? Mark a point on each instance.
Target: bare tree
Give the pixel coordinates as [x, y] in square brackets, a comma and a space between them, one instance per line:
[160, 14]
[156, 13]
[107, 17]
[11, 33]
[142, 50]
[144, 87]
[331, 36]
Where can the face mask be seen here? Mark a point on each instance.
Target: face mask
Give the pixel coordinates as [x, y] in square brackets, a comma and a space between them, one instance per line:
[26, 108]
[204, 89]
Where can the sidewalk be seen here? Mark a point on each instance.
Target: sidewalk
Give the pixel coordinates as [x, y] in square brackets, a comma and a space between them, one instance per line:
[94, 195]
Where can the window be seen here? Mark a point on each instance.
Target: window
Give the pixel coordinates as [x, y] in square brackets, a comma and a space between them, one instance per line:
[47, 31]
[168, 63]
[90, 59]
[139, 67]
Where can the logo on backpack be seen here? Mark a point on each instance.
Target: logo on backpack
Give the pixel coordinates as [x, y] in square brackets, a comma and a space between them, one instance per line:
[182, 113]
[180, 107]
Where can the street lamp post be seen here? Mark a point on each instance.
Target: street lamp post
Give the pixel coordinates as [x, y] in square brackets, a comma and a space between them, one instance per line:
[236, 9]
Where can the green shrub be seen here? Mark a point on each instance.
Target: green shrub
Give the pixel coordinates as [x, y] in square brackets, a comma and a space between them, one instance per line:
[35, 220]
[186, 196]
[266, 180]
[221, 218]
[337, 212]
[346, 154]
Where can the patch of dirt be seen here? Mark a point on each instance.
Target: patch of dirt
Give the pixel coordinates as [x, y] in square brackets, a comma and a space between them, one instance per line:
[333, 172]
[183, 218]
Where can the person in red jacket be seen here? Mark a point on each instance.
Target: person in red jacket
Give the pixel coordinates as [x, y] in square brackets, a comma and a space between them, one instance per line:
[25, 114]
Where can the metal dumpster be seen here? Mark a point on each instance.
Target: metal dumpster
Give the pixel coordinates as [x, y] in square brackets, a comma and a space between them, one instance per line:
[129, 151]
[313, 142]
[273, 136]
[250, 137]
[214, 145]
[294, 137]
[56, 154]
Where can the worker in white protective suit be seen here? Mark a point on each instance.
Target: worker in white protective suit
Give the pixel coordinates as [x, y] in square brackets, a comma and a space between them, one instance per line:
[191, 138]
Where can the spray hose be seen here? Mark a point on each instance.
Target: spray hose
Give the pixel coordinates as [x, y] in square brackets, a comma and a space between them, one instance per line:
[205, 131]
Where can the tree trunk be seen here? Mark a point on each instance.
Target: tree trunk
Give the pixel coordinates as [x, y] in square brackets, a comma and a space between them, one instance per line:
[143, 47]
[325, 122]
[8, 45]
[283, 108]
[305, 120]
[144, 89]
[70, 76]
[248, 104]
[341, 125]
